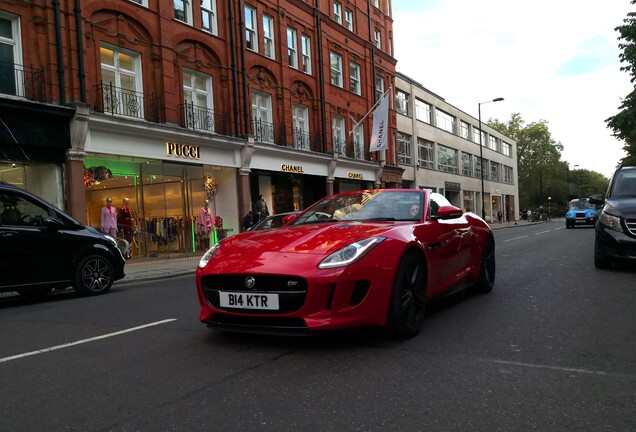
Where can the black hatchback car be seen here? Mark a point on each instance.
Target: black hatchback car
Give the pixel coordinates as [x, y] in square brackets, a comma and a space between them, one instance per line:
[615, 239]
[42, 248]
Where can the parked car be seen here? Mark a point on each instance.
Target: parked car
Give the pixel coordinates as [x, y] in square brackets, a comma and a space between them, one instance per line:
[581, 212]
[274, 221]
[364, 258]
[615, 238]
[42, 248]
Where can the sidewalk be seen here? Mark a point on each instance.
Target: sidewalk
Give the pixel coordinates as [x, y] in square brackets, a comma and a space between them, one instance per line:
[148, 269]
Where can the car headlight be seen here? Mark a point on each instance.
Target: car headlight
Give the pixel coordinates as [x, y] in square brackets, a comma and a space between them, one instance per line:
[610, 221]
[208, 255]
[568, 215]
[350, 254]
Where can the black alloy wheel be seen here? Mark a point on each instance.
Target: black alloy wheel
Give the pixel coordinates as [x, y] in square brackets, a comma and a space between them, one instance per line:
[488, 268]
[94, 275]
[408, 300]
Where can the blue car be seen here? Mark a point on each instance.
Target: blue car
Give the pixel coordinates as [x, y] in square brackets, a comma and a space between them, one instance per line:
[581, 212]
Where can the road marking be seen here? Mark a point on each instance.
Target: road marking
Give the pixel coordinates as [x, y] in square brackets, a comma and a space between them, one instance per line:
[516, 238]
[554, 368]
[542, 232]
[70, 344]
[559, 228]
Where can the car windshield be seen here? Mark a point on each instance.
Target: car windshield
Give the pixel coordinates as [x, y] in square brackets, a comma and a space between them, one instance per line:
[625, 184]
[581, 204]
[366, 206]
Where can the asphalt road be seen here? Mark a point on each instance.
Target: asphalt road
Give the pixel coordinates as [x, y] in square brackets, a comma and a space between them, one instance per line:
[552, 348]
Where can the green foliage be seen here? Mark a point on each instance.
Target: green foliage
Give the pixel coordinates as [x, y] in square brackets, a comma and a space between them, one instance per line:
[541, 172]
[623, 124]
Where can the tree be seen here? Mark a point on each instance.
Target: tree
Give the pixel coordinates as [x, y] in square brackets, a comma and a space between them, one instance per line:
[623, 124]
[541, 172]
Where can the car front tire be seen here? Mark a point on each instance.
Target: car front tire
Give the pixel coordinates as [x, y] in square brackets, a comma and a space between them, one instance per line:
[94, 275]
[488, 268]
[408, 300]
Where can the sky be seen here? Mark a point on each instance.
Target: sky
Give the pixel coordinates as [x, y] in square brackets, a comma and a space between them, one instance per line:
[552, 60]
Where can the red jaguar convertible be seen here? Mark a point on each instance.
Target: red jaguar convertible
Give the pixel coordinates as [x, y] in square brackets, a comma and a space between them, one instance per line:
[364, 258]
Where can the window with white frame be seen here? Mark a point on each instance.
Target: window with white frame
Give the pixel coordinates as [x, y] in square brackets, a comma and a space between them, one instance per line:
[199, 101]
[358, 142]
[338, 134]
[208, 16]
[444, 121]
[263, 128]
[376, 3]
[141, 2]
[183, 11]
[305, 47]
[425, 153]
[422, 111]
[446, 159]
[475, 135]
[402, 102]
[379, 87]
[495, 174]
[301, 126]
[484, 168]
[377, 36]
[464, 129]
[348, 19]
[337, 12]
[269, 49]
[467, 164]
[404, 148]
[336, 69]
[251, 30]
[506, 148]
[354, 78]
[12, 82]
[507, 174]
[492, 142]
[121, 78]
[292, 50]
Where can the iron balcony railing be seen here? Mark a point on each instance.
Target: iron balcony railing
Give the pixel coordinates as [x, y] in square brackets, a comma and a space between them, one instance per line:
[205, 119]
[263, 131]
[302, 139]
[129, 103]
[23, 81]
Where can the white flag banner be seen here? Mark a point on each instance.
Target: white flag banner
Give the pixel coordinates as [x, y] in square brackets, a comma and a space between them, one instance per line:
[379, 135]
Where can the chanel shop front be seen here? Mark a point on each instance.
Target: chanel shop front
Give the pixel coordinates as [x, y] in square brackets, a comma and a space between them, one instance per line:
[166, 181]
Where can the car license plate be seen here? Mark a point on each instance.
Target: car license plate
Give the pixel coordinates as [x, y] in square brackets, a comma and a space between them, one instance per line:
[242, 300]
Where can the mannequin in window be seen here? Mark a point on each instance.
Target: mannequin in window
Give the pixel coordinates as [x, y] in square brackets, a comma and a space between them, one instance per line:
[205, 225]
[109, 219]
[124, 220]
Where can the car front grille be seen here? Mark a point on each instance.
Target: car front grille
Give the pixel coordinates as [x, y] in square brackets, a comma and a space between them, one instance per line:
[631, 226]
[580, 214]
[291, 290]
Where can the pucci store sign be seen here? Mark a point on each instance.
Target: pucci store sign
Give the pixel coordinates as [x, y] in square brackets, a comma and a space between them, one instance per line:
[185, 151]
[296, 169]
[355, 176]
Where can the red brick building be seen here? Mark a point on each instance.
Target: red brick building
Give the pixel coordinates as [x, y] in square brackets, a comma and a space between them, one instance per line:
[169, 103]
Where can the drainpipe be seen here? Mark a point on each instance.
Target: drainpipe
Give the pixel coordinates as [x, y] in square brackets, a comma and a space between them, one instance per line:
[235, 88]
[246, 106]
[323, 110]
[80, 51]
[60, 57]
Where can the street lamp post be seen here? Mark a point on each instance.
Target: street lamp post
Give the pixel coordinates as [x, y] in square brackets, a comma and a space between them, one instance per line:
[481, 157]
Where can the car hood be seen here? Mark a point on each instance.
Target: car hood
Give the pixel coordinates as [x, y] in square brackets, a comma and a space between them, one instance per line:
[625, 206]
[317, 239]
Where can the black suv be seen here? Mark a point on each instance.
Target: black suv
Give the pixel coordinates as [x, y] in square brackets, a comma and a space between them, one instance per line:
[42, 248]
[616, 225]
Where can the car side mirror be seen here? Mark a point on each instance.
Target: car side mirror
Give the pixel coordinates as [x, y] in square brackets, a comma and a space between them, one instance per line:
[597, 199]
[52, 223]
[449, 212]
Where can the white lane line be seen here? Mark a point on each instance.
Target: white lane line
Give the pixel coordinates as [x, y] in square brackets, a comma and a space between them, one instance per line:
[516, 238]
[554, 368]
[66, 345]
[542, 232]
[556, 229]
